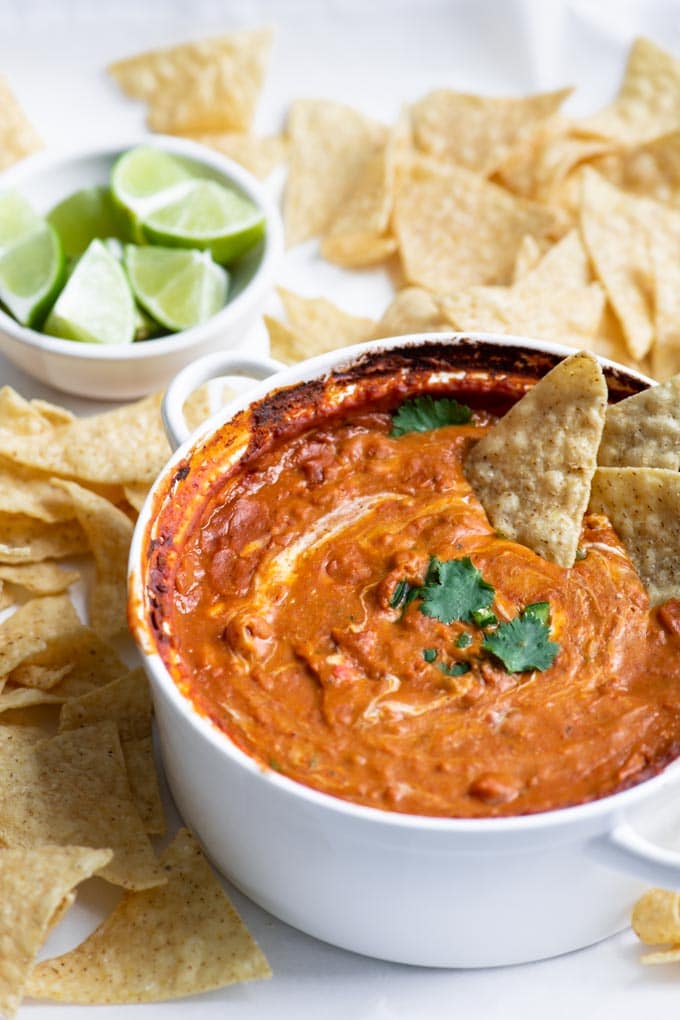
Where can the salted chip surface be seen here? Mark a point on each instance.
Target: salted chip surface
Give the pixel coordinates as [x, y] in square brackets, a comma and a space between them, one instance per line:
[209, 85]
[26, 540]
[478, 131]
[656, 917]
[532, 471]
[38, 578]
[18, 138]
[73, 789]
[34, 884]
[648, 103]
[455, 229]
[643, 505]
[644, 430]
[80, 656]
[651, 170]
[329, 145]
[116, 447]
[32, 627]
[181, 939]
[143, 778]
[109, 533]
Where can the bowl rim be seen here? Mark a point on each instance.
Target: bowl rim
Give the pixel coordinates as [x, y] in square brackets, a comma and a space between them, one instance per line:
[496, 827]
[272, 249]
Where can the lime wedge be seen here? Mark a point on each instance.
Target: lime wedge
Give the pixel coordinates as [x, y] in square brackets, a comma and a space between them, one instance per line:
[177, 288]
[96, 305]
[31, 260]
[145, 178]
[84, 216]
[208, 216]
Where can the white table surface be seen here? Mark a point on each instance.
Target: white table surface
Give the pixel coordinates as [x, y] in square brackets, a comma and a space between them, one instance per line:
[375, 55]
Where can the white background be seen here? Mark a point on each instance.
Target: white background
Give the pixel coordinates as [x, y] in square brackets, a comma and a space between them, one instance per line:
[375, 55]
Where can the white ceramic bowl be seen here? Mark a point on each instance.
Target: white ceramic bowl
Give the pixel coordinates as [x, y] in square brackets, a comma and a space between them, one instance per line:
[130, 370]
[420, 890]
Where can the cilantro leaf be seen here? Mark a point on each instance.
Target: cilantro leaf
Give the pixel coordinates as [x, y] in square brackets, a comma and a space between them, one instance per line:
[523, 643]
[458, 668]
[424, 413]
[429, 654]
[463, 640]
[453, 590]
[401, 593]
[484, 618]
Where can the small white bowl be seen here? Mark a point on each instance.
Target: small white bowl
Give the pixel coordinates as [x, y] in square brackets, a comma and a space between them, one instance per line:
[131, 370]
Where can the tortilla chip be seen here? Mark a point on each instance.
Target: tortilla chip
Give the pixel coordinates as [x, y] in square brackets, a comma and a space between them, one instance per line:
[527, 258]
[412, 310]
[616, 230]
[566, 314]
[23, 491]
[180, 939]
[26, 540]
[644, 430]
[563, 264]
[259, 155]
[457, 230]
[109, 532]
[651, 170]
[33, 887]
[39, 578]
[537, 167]
[20, 415]
[12, 698]
[209, 85]
[29, 629]
[656, 917]
[104, 448]
[53, 414]
[670, 955]
[643, 505]
[126, 701]
[665, 251]
[648, 103]
[17, 136]
[91, 664]
[136, 495]
[143, 778]
[358, 234]
[532, 471]
[478, 132]
[329, 147]
[316, 326]
[73, 790]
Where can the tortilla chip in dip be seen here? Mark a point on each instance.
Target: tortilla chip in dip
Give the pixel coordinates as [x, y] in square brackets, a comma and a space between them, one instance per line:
[532, 471]
[643, 505]
[644, 430]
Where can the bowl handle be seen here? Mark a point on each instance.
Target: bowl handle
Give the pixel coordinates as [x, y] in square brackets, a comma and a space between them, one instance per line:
[626, 850]
[203, 370]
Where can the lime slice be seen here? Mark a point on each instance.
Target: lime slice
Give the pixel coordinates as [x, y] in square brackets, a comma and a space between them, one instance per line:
[84, 216]
[207, 216]
[177, 288]
[96, 305]
[31, 260]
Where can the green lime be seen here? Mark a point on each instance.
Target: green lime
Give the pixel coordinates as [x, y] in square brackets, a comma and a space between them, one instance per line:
[31, 260]
[96, 305]
[145, 178]
[207, 216]
[84, 216]
[177, 288]
[146, 328]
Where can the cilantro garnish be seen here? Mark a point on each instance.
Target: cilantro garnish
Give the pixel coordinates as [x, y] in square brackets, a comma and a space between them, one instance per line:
[454, 590]
[429, 654]
[424, 413]
[463, 640]
[523, 643]
[400, 594]
[458, 668]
